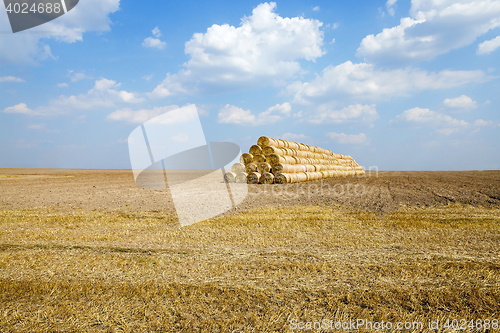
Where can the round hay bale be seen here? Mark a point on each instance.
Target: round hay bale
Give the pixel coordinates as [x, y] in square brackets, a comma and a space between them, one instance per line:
[263, 167]
[246, 158]
[266, 178]
[255, 150]
[282, 143]
[310, 168]
[301, 177]
[326, 174]
[253, 178]
[259, 158]
[241, 178]
[278, 168]
[251, 167]
[238, 167]
[264, 141]
[269, 150]
[273, 159]
[283, 178]
[229, 177]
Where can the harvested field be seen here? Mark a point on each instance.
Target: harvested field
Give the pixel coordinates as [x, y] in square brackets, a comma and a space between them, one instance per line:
[384, 191]
[86, 250]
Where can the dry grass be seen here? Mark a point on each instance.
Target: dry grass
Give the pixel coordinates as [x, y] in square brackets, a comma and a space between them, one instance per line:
[255, 271]
[6, 176]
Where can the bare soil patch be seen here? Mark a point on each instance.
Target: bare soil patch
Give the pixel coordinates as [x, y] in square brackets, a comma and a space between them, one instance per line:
[382, 192]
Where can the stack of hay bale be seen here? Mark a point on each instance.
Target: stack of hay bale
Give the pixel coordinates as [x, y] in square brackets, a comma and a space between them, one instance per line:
[279, 161]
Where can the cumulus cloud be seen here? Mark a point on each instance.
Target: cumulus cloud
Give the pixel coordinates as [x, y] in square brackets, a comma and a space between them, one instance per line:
[139, 116]
[352, 113]
[77, 76]
[426, 116]
[434, 27]
[231, 114]
[104, 94]
[263, 50]
[20, 108]
[30, 48]
[62, 85]
[390, 5]
[156, 32]
[343, 138]
[461, 103]
[295, 137]
[479, 123]
[442, 123]
[10, 79]
[154, 42]
[489, 46]
[363, 82]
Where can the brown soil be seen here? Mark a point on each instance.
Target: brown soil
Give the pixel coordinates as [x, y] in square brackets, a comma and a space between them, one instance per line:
[116, 190]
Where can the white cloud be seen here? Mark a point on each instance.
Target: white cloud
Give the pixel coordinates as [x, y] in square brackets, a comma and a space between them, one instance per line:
[30, 48]
[362, 82]
[10, 79]
[352, 113]
[156, 32]
[426, 116]
[148, 77]
[442, 123]
[74, 76]
[295, 137]
[104, 94]
[154, 43]
[231, 114]
[343, 138]
[275, 113]
[391, 4]
[62, 85]
[41, 128]
[20, 108]
[434, 27]
[463, 102]
[316, 8]
[447, 131]
[263, 50]
[489, 46]
[140, 116]
[484, 123]
[180, 138]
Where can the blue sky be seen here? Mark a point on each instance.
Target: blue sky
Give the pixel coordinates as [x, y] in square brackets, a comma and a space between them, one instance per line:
[401, 85]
